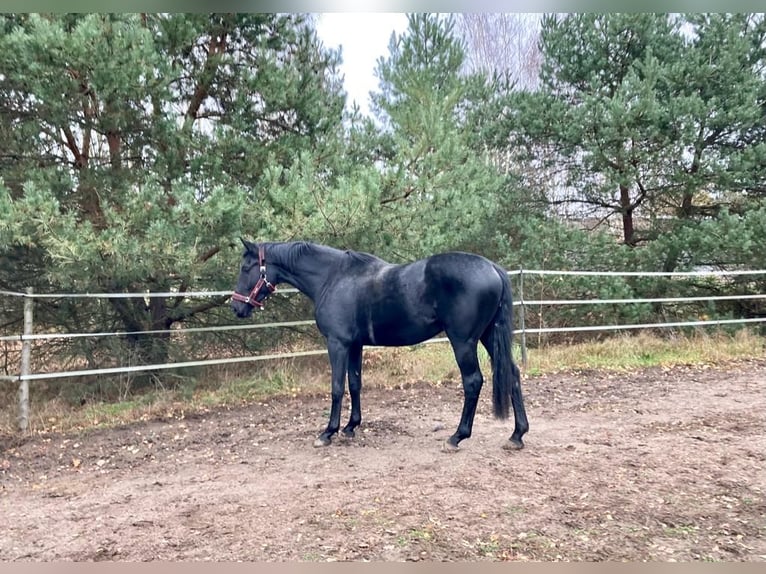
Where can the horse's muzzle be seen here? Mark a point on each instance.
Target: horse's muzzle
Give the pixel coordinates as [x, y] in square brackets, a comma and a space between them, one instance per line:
[241, 309]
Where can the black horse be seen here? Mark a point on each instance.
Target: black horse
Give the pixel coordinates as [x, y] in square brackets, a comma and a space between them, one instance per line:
[360, 300]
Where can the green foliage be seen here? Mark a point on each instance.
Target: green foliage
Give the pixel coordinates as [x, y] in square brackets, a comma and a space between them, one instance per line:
[136, 148]
[631, 118]
[141, 146]
[436, 192]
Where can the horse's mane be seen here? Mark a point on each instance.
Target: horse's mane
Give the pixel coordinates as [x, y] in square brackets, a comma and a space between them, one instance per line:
[362, 257]
[291, 251]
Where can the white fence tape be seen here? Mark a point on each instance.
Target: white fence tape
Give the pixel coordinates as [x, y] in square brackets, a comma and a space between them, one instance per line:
[231, 360]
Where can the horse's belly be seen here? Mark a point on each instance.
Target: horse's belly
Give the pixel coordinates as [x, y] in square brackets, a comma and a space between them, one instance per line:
[392, 333]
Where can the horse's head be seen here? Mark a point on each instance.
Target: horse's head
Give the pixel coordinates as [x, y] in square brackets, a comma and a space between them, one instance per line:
[253, 284]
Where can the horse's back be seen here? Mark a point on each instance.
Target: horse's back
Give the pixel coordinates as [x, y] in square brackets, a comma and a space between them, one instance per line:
[455, 292]
[379, 303]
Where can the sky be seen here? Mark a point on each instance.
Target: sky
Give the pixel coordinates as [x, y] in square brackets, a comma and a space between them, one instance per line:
[363, 38]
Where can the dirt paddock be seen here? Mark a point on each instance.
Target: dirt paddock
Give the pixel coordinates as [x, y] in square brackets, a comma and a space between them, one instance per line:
[661, 464]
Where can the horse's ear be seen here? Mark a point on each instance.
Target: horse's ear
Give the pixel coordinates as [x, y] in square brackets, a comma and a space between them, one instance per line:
[249, 245]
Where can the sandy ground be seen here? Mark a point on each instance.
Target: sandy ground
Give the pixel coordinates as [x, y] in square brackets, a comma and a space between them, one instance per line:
[662, 464]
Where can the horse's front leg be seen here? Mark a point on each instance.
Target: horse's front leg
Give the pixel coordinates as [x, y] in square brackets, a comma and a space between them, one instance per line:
[354, 389]
[338, 363]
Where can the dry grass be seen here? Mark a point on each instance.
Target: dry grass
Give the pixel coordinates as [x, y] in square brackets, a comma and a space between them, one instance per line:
[232, 386]
[646, 350]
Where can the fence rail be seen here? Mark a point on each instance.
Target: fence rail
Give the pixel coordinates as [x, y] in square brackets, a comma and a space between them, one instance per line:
[28, 336]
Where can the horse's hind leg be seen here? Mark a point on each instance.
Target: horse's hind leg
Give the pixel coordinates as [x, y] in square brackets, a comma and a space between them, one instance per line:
[468, 362]
[519, 412]
[354, 389]
[517, 401]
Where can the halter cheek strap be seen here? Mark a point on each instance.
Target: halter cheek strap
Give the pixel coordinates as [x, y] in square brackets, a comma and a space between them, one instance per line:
[262, 282]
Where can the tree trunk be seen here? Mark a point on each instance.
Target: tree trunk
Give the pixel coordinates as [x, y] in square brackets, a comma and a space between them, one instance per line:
[145, 348]
[626, 208]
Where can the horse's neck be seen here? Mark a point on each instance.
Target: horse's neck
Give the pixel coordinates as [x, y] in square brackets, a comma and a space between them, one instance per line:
[306, 267]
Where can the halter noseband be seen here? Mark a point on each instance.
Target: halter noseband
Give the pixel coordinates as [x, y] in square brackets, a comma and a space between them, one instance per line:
[250, 299]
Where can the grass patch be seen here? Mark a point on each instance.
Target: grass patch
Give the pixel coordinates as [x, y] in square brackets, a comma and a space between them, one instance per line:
[625, 352]
[383, 367]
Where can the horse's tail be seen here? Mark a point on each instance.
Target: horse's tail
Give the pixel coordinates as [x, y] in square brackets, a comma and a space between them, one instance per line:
[506, 379]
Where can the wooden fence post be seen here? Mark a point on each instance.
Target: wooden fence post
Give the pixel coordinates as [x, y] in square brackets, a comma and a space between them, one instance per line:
[26, 355]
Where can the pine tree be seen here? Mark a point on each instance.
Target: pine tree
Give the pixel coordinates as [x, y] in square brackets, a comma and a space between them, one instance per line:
[136, 148]
[654, 118]
[435, 191]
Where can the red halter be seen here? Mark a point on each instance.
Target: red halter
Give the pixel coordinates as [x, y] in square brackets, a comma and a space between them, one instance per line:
[250, 299]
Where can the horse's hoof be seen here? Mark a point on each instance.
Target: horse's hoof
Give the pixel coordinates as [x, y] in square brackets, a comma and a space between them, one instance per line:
[513, 444]
[348, 433]
[447, 446]
[322, 441]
